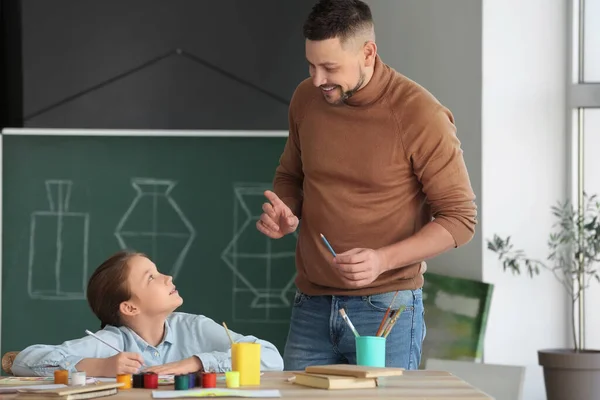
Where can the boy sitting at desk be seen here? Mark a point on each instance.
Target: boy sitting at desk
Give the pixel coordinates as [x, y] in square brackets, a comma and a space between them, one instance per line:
[135, 304]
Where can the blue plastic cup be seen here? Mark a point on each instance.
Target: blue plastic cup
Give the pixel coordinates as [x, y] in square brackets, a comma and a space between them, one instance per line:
[370, 351]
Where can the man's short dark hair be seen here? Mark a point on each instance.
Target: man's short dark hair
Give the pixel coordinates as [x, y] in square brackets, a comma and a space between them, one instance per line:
[337, 18]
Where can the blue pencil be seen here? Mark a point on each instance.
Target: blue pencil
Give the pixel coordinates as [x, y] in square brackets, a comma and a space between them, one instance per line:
[328, 245]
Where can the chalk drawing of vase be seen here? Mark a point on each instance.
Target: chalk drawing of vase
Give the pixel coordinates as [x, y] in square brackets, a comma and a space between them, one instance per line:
[263, 269]
[155, 225]
[58, 247]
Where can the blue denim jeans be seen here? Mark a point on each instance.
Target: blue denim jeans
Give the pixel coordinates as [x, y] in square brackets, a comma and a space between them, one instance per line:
[318, 335]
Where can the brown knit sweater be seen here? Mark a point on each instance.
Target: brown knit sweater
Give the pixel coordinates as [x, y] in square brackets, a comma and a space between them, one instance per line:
[371, 173]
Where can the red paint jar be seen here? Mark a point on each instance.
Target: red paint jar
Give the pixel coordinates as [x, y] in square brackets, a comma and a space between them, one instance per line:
[151, 380]
[209, 380]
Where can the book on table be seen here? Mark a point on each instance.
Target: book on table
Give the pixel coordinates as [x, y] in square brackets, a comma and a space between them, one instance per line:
[100, 389]
[343, 376]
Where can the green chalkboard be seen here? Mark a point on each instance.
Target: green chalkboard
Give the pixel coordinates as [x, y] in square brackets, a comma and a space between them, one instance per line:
[190, 203]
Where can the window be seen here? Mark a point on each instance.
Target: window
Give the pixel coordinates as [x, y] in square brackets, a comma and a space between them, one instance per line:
[591, 133]
[591, 41]
[584, 114]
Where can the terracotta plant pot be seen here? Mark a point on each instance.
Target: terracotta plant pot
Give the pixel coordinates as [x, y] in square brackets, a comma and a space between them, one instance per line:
[571, 375]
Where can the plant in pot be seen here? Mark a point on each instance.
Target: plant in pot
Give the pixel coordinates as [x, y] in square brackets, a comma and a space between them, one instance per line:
[570, 373]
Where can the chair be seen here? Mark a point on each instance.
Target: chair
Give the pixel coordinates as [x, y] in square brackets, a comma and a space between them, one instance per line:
[7, 361]
[502, 382]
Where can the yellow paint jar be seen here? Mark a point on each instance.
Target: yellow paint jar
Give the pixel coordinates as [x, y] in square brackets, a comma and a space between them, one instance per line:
[232, 379]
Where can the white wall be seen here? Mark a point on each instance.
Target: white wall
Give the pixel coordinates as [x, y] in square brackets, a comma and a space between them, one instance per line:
[524, 173]
[438, 44]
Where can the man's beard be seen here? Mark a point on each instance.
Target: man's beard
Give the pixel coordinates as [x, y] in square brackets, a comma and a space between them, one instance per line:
[346, 95]
[349, 93]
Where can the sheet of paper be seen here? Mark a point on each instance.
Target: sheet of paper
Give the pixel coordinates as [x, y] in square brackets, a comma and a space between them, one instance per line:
[172, 394]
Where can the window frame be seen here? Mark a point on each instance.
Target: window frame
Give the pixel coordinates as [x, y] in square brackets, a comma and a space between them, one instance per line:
[581, 95]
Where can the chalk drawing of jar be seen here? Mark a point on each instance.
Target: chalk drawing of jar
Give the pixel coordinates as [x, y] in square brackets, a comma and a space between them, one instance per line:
[58, 247]
[155, 225]
[263, 269]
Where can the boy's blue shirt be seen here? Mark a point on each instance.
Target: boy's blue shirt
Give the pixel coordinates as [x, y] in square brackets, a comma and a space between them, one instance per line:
[186, 335]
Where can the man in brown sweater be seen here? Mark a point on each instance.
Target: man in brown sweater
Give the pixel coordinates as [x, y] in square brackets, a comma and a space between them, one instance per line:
[374, 164]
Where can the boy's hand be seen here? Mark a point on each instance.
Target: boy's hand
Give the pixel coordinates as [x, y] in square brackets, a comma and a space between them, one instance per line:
[123, 363]
[191, 364]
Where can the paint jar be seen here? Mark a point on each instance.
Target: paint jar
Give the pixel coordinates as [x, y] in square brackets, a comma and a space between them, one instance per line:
[125, 379]
[192, 380]
[138, 381]
[150, 380]
[182, 382]
[61, 376]
[209, 380]
[232, 379]
[78, 378]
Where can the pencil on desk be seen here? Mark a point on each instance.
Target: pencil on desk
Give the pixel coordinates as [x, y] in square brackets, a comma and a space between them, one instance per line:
[384, 319]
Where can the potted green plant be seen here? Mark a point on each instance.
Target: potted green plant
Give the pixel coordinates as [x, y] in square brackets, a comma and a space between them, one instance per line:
[569, 373]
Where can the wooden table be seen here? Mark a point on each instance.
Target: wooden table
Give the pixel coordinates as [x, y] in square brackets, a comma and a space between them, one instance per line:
[414, 385]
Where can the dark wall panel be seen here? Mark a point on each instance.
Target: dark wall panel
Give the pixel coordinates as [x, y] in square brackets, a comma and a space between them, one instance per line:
[113, 64]
[11, 89]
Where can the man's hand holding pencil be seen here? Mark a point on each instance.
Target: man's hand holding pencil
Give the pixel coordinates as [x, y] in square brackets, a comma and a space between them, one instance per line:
[277, 220]
[360, 267]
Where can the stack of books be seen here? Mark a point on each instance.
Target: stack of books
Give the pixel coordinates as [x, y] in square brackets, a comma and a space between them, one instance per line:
[343, 376]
